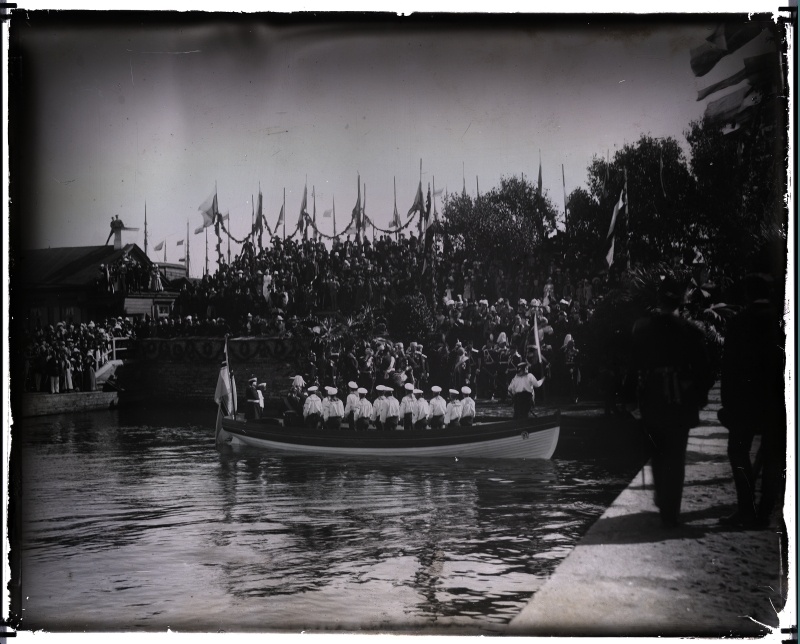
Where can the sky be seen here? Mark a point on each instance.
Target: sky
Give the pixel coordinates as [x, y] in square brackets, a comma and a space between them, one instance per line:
[157, 114]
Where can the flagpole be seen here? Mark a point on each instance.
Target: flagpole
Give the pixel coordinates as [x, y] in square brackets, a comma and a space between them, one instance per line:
[187, 249]
[314, 220]
[421, 214]
[284, 214]
[396, 232]
[334, 215]
[206, 250]
[564, 184]
[145, 228]
[627, 215]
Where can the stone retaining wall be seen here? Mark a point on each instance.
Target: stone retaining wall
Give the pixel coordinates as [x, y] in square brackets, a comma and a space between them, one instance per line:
[185, 370]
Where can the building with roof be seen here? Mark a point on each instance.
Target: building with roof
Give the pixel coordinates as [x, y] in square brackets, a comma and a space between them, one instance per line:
[85, 283]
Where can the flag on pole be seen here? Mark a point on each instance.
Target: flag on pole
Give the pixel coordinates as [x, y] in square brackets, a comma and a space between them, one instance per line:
[314, 199]
[724, 40]
[209, 209]
[564, 184]
[301, 221]
[731, 105]
[159, 246]
[179, 242]
[418, 205]
[280, 217]
[357, 211]
[756, 69]
[327, 213]
[395, 216]
[225, 393]
[539, 179]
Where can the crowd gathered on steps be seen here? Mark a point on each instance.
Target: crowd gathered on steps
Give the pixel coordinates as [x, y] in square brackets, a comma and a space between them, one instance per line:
[291, 279]
[390, 407]
[65, 357]
[481, 331]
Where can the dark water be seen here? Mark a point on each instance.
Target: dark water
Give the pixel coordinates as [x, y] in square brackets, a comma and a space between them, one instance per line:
[132, 520]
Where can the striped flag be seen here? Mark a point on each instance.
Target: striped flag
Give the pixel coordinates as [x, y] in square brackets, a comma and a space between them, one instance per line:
[725, 40]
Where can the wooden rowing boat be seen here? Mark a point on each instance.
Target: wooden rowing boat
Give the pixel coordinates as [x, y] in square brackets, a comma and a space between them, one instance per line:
[529, 438]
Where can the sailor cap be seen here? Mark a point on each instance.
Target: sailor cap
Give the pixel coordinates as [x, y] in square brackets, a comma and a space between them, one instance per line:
[313, 388]
[362, 391]
[466, 390]
[332, 391]
[521, 365]
[352, 385]
[328, 390]
[409, 387]
[380, 388]
[453, 391]
[418, 391]
[436, 389]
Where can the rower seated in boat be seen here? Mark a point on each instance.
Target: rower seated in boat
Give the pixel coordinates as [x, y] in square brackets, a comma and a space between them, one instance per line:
[452, 414]
[379, 407]
[437, 408]
[332, 409]
[392, 411]
[312, 409]
[467, 407]
[350, 404]
[406, 407]
[362, 412]
[420, 411]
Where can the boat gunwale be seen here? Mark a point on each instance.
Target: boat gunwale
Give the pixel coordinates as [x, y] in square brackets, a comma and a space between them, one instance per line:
[397, 439]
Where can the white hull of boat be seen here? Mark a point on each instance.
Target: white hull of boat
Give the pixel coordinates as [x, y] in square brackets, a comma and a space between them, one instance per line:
[540, 444]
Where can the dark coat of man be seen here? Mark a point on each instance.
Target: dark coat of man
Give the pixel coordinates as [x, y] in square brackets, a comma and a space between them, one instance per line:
[753, 402]
[674, 376]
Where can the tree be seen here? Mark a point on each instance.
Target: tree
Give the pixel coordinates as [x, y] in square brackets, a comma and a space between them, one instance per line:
[506, 225]
[741, 183]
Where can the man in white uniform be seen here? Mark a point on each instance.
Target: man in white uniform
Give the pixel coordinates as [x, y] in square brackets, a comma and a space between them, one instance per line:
[467, 407]
[452, 414]
[407, 407]
[312, 408]
[438, 408]
[420, 411]
[362, 411]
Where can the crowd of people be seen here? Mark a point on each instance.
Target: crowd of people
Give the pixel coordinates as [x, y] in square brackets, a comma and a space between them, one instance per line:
[487, 318]
[65, 357]
[484, 324]
[127, 275]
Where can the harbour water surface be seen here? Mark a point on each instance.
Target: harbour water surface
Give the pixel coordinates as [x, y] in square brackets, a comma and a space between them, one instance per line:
[132, 520]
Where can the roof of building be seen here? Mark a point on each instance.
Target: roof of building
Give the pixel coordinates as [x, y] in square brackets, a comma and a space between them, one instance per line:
[77, 266]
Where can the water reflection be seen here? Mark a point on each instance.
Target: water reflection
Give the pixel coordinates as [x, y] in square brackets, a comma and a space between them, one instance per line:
[137, 521]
